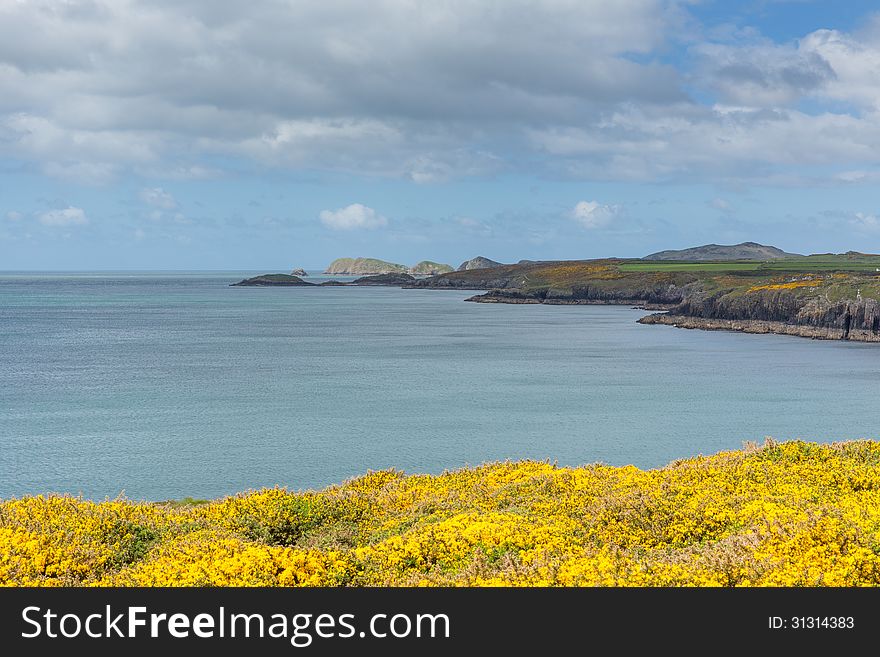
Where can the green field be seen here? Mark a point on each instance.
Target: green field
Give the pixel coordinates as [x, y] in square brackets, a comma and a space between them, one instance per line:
[660, 265]
[823, 262]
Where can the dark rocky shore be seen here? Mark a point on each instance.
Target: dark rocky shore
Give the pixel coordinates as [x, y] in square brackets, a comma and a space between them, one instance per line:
[778, 312]
[762, 326]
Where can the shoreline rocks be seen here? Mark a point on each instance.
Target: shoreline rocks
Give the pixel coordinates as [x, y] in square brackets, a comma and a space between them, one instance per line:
[762, 327]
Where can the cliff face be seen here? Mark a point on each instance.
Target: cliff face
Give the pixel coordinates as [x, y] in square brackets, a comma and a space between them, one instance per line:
[778, 311]
[661, 294]
[845, 317]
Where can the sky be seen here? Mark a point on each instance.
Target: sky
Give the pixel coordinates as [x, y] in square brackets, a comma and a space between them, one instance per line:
[274, 134]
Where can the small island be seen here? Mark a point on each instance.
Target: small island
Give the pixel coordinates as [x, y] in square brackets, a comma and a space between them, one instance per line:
[273, 280]
[287, 280]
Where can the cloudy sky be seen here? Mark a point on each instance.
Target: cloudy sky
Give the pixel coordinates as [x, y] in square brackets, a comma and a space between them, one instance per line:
[219, 134]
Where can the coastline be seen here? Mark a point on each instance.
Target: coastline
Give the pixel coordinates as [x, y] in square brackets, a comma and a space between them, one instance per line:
[638, 304]
[758, 326]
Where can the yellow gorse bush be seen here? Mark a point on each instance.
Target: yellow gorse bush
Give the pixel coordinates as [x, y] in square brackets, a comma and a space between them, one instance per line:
[788, 285]
[790, 514]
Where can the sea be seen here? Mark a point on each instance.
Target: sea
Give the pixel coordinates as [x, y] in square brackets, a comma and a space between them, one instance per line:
[165, 385]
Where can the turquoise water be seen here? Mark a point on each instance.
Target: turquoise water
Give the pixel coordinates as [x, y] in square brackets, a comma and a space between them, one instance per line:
[174, 384]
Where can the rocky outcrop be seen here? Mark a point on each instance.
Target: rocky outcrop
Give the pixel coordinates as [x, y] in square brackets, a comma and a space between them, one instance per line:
[299, 272]
[273, 280]
[478, 263]
[393, 280]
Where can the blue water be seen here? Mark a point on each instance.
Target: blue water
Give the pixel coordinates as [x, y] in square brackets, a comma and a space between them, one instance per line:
[174, 384]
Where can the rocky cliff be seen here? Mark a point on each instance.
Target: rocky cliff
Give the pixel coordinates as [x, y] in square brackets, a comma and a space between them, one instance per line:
[778, 311]
[660, 295]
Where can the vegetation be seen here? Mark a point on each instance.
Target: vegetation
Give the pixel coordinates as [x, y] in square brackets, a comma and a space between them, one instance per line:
[853, 262]
[364, 266]
[792, 514]
[375, 266]
[663, 265]
[430, 268]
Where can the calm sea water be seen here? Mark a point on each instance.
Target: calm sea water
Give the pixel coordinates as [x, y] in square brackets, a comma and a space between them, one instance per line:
[174, 384]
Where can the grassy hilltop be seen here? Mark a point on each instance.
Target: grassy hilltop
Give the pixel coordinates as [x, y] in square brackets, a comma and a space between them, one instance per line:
[796, 513]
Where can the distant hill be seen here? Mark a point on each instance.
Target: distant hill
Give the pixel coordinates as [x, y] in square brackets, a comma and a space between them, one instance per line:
[428, 268]
[478, 263]
[744, 251]
[363, 266]
[372, 266]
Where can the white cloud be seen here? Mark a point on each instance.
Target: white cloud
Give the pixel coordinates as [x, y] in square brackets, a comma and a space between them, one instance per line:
[351, 217]
[90, 89]
[591, 214]
[720, 204]
[857, 176]
[824, 64]
[69, 216]
[762, 74]
[855, 60]
[89, 173]
[94, 89]
[720, 143]
[158, 198]
[14, 216]
[866, 222]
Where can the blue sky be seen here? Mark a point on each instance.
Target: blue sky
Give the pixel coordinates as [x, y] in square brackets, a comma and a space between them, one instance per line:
[272, 135]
